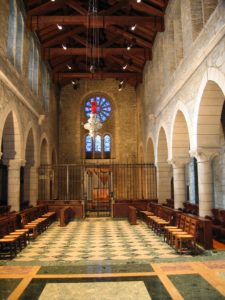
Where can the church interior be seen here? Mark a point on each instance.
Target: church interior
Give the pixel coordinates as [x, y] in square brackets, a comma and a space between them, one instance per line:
[112, 149]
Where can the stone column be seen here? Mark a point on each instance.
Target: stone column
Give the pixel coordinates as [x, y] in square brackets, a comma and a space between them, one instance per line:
[163, 181]
[14, 183]
[205, 179]
[179, 182]
[33, 185]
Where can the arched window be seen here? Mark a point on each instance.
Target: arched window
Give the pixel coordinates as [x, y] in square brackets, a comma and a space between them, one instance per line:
[11, 30]
[19, 42]
[33, 66]
[36, 69]
[45, 87]
[15, 36]
[98, 147]
[31, 62]
[107, 146]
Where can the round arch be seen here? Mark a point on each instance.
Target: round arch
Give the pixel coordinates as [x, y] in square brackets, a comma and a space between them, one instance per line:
[150, 152]
[11, 138]
[214, 81]
[180, 137]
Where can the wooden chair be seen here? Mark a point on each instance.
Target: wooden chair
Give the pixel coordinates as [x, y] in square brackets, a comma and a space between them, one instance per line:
[189, 238]
[180, 231]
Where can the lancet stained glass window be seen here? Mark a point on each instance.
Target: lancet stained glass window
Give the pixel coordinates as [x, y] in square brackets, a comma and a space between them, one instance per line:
[103, 108]
[107, 143]
[88, 144]
[98, 143]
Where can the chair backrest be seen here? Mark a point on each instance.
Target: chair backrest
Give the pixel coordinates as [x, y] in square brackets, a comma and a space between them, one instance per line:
[193, 227]
[182, 221]
[187, 224]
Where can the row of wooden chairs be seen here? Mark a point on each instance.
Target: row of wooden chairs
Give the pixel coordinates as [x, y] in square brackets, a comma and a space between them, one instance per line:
[16, 230]
[182, 236]
[12, 240]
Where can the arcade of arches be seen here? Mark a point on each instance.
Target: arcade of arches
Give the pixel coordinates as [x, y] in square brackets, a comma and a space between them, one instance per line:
[174, 121]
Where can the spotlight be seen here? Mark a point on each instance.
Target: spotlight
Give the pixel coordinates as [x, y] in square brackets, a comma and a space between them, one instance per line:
[69, 67]
[125, 66]
[128, 47]
[52, 0]
[120, 87]
[133, 27]
[75, 84]
[138, 1]
[64, 46]
[92, 68]
[121, 81]
[59, 27]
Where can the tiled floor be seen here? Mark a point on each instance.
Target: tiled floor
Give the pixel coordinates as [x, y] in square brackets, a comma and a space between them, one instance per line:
[96, 240]
[100, 259]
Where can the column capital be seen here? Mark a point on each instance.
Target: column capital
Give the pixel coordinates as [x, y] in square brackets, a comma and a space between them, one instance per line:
[16, 163]
[179, 162]
[205, 154]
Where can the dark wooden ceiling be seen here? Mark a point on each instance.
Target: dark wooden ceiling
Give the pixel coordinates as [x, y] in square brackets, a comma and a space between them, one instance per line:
[97, 37]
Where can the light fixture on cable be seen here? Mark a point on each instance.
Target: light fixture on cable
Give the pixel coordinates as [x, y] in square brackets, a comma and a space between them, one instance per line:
[69, 67]
[138, 1]
[92, 39]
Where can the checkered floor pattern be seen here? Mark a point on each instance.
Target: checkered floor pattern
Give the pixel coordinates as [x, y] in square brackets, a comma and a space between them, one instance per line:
[94, 240]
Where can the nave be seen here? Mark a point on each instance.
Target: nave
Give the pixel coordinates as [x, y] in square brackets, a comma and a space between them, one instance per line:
[104, 258]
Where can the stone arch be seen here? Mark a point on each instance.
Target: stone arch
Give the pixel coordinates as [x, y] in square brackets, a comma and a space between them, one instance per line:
[162, 145]
[29, 171]
[209, 114]
[150, 153]
[44, 152]
[11, 142]
[212, 75]
[164, 172]
[180, 137]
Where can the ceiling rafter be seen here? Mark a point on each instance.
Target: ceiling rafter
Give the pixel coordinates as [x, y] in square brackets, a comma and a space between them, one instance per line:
[94, 52]
[130, 37]
[38, 22]
[111, 26]
[77, 7]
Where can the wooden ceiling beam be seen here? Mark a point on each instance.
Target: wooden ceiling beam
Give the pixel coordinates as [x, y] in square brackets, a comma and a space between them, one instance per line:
[130, 67]
[99, 75]
[114, 8]
[130, 37]
[159, 3]
[145, 8]
[59, 38]
[95, 52]
[77, 7]
[81, 40]
[45, 8]
[39, 22]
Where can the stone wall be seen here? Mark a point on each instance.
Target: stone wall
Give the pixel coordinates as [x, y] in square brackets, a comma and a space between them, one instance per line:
[122, 123]
[190, 71]
[24, 122]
